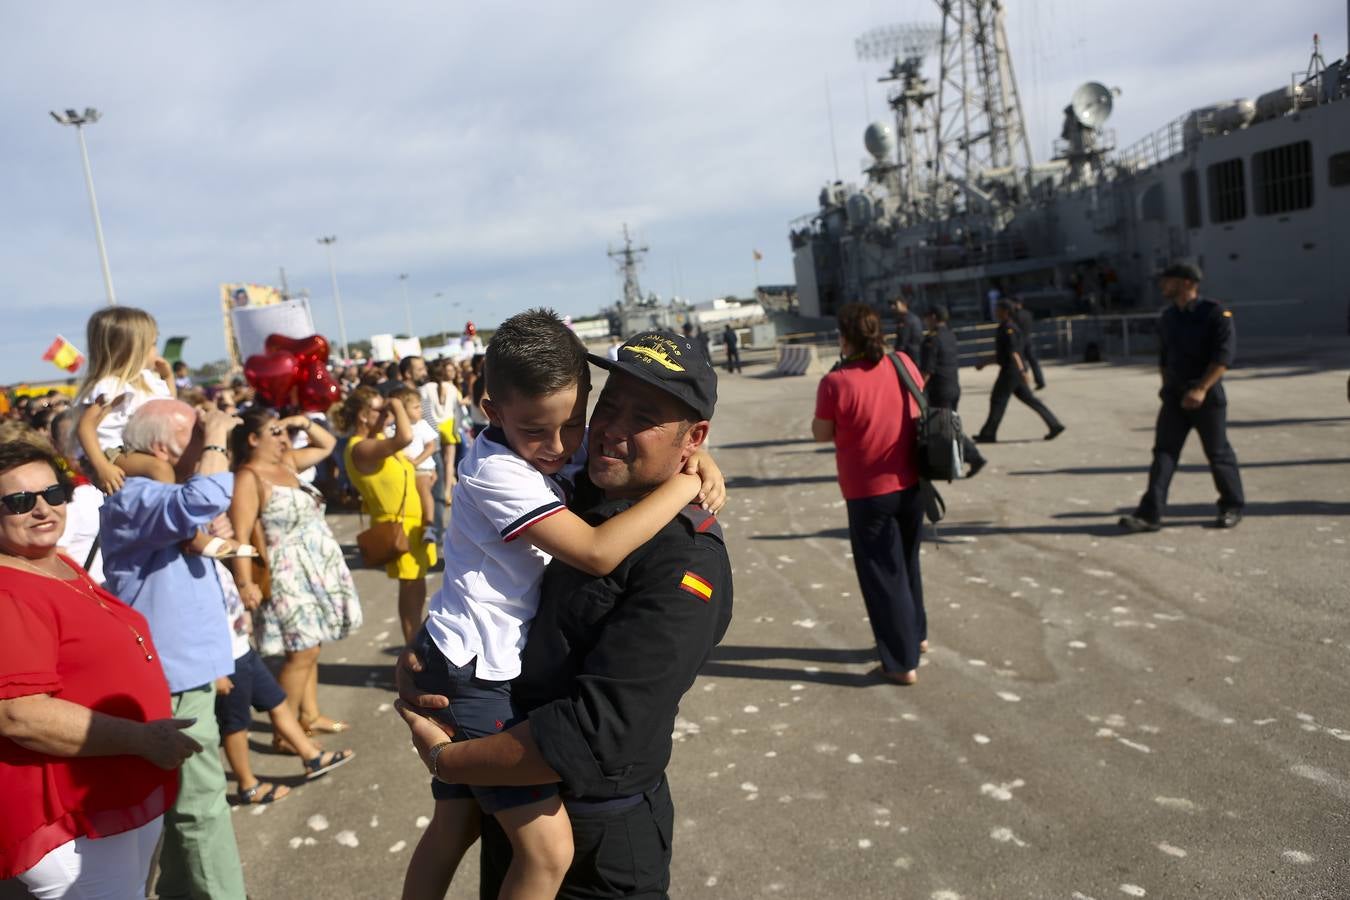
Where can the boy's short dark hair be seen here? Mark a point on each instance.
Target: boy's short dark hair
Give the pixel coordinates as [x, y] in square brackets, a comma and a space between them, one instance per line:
[404, 394]
[533, 354]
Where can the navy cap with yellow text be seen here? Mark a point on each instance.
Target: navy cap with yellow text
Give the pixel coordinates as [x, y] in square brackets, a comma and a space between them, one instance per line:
[671, 362]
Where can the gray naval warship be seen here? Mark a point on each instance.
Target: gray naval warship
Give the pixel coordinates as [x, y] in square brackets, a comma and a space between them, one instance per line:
[955, 210]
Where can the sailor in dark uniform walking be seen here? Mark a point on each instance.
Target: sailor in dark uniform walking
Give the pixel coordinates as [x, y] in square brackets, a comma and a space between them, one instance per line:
[1025, 323]
[940, 361]
[1012, 378]
[908, 329]
[1196, 340]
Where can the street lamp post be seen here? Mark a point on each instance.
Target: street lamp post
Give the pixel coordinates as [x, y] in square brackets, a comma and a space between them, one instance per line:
[328, 241]
[79, 120]
[407, 307]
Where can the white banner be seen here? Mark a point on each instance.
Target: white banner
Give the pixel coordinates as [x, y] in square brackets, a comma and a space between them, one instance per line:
[252, 324]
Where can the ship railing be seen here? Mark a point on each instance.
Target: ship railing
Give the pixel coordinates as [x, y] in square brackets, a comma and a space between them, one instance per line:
[960, 254]
[1152, 149]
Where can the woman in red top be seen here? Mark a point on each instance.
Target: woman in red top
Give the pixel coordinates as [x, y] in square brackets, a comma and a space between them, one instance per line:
[87, 751]
[864, 409]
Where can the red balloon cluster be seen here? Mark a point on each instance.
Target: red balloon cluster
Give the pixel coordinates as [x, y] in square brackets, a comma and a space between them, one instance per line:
[470, 329]
[293, 372]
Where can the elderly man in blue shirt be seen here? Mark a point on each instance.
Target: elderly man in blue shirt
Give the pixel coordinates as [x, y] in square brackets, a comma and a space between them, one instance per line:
[143, 527]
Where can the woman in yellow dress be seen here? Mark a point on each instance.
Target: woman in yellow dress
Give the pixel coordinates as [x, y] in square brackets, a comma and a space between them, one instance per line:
[386, 480]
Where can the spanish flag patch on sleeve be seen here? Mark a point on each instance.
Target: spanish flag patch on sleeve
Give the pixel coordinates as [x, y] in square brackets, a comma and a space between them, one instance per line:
[697, 586]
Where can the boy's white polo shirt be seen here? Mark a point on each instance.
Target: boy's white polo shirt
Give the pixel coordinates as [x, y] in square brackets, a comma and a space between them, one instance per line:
[492, 575]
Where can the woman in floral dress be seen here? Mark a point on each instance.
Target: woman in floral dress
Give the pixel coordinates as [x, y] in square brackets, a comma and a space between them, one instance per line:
[313, 598]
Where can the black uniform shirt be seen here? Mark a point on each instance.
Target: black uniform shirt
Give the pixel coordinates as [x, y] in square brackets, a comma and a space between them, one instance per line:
[608, 659]
[908, 335]
[939, 361]
[1025, 321]
[1192, 339]
[1007, 341]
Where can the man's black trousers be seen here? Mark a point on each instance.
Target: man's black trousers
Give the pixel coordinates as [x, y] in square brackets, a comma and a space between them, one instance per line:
[618, 853]
[1011, 384]
[1210, 421]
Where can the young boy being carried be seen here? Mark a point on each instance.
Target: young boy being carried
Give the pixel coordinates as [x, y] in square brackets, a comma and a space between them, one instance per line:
[510, 518]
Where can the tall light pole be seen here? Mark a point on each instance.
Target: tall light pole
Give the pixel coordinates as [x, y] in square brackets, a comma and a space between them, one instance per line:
[407, 307]
[328, 242]
[79, 120]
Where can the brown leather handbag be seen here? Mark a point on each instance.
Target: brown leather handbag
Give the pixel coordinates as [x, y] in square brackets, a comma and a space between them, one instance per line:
[384, 542]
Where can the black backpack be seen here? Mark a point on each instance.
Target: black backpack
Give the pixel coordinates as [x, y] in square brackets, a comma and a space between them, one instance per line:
[939, 443]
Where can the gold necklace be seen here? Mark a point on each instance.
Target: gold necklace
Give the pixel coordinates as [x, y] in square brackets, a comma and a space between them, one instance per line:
[79, 576]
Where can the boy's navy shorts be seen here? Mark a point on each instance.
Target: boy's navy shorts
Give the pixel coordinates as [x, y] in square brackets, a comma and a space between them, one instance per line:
[254, 687]
[477, 709]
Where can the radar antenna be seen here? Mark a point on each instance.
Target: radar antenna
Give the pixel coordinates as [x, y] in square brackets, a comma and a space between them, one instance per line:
[905, 45]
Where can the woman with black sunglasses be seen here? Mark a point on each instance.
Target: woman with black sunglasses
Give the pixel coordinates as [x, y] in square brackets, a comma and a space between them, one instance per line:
[88, 752]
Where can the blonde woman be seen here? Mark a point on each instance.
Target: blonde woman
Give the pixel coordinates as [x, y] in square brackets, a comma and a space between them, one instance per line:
[387, 483]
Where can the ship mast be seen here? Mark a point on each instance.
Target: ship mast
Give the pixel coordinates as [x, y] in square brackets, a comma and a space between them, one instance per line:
[911, 101]
[980, 134]
[628, 258]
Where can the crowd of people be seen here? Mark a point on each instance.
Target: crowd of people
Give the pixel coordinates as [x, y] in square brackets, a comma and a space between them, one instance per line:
[192, 522]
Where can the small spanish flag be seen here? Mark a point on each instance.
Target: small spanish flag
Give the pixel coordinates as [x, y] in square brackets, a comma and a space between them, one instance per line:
[64, 355]
[697, 586]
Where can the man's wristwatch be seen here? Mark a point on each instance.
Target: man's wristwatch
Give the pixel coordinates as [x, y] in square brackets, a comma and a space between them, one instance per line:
[433, 755]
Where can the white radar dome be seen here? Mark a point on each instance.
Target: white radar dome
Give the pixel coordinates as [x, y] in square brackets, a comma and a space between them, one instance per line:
[879, 140]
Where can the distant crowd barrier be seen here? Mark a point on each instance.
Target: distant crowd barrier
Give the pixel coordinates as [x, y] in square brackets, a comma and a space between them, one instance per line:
[798, 359]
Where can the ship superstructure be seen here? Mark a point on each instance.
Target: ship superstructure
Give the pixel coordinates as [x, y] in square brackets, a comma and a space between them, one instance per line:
[955, 210]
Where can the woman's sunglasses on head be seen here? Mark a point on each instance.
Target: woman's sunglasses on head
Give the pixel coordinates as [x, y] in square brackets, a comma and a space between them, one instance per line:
[23, 501]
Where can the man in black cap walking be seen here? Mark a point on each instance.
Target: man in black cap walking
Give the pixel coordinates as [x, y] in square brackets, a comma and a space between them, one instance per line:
[1196, 340]
[1012, 379]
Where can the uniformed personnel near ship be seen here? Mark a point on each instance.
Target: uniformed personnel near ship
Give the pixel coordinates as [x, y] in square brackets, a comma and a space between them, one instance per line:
[1012, 378]
[1025, 323]
[607, 659]
[1196, 341]
[940, 363]
[908, 329]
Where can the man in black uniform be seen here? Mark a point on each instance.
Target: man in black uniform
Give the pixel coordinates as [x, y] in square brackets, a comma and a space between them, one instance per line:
[939, 361]
[733, 344]
[1025, 323]
[908, 329]
[1196, 341]
[608, 658]
[1012, 379]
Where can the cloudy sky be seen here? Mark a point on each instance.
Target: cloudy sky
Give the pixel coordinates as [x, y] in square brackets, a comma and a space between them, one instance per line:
[494, 151]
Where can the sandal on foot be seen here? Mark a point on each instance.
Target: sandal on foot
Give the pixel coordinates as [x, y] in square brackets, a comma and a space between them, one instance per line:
[256, 795]
[318, 725]
[327, 762]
